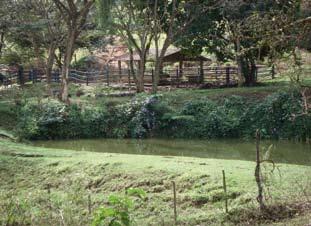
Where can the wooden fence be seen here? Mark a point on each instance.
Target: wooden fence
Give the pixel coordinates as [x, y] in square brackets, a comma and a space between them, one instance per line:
[213, 76]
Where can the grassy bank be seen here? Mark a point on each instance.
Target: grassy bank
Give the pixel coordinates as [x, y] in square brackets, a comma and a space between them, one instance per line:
[49, 187]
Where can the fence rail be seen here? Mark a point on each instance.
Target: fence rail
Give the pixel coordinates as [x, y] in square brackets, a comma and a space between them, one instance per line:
[216, 76]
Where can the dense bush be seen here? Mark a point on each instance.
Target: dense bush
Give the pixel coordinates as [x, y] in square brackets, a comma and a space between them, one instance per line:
[277, 116]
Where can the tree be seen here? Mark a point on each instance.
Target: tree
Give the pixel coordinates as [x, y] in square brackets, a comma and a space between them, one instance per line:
[4, 24]
[22, 28]
[75, 14]
[52, 34]
[173, 19]
[132, 21]
[243, 32]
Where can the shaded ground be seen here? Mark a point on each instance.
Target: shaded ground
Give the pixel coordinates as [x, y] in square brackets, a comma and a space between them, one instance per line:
[49, 186]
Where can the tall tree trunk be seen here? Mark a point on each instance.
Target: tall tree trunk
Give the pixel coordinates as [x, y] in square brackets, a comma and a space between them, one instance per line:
[131, 65]
[49, 66]
[253, 73]
[141, 74]
[159, 64]
[1, 43]
[157, 74]
[66, 65]
[248, 71]
[239, 61]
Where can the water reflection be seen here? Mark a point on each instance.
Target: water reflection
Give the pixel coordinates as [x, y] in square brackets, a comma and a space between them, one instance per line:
[282, 152]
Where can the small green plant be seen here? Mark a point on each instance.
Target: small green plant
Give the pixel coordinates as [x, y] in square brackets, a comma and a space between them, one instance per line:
[117, 213]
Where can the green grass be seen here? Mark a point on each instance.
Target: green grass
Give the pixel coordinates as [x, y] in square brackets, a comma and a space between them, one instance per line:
[175, 96]
[26, 173]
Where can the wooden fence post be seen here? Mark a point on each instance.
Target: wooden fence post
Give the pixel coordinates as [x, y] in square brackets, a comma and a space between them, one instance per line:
[21, 75]
[202, 74]
[256, 74]
[258, 172]
[225, 190]
[129, 78]
[177, 77]
[152, 76]
[49, 197]
[227, 76]
[199, 74]
[107, 70]
[89, 204]
[175, 202]
[87, 79]
[32, 75]
[273, 72]
[120, 70]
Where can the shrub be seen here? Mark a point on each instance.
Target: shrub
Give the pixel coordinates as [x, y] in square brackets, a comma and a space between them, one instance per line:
[277, 116]
[54, 120]
[118, 210]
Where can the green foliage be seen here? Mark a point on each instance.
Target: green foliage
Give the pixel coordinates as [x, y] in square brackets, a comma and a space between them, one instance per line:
[236, 117]
[54, 120]
[137, 118]
[277, 116]
[82, 63]
[11, 58]
[118, 211]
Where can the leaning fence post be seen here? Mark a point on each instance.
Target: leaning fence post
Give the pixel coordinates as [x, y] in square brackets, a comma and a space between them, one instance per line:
[225, 190]
[175, 202]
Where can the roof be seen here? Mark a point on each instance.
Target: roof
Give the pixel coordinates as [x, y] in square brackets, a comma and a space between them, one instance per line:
[171, 55]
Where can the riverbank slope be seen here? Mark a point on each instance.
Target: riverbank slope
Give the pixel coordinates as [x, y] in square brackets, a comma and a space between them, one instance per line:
[49, 186]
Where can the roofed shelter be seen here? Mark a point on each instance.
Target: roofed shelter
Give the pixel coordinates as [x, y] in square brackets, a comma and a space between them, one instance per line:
[172, 55]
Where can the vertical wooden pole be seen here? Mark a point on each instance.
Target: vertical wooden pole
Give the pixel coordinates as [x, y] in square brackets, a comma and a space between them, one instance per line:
[257, 173]
[120, 70]
[107, 71]
[177, 77]
[49, 197]
[129, 78]
[273, 71]
[175, 202]
[201, 72]
[225, 190]
[227, 76]
[32, 76]
[181, 72]
[87, 79]
[152, 76]
[21, 75]
[89, 204]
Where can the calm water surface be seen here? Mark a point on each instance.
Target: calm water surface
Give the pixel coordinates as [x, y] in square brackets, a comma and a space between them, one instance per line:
[282, 151]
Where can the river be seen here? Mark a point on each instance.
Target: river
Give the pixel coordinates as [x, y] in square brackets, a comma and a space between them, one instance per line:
[281, 151]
